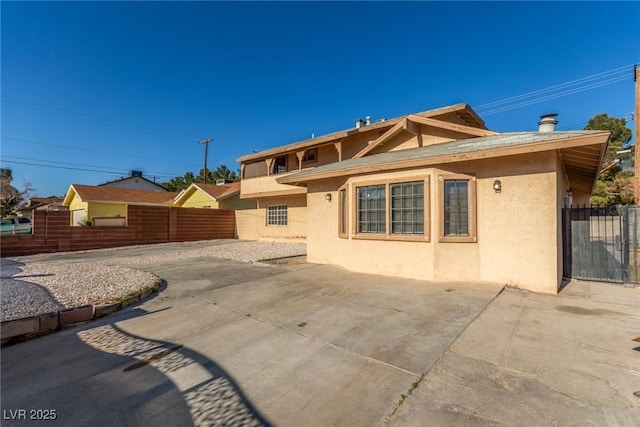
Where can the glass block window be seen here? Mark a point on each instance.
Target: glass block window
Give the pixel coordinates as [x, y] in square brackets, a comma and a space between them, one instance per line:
[371, 209]
[277, 215]
[456, 207]
[407, 208]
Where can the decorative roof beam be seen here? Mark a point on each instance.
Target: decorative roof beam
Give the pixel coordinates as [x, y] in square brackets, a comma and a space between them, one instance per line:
[468, 130]
[395, 130]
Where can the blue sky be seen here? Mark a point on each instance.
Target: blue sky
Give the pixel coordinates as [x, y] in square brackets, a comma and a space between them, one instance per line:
[126, 86]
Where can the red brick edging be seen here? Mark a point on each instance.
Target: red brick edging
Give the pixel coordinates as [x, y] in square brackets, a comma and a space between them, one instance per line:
[13, 331]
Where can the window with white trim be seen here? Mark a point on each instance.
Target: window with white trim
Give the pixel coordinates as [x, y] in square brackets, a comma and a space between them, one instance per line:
[277, 215]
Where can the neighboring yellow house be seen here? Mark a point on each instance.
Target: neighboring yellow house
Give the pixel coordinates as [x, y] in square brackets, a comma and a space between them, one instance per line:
[222, 196]
[432, 196]
[102, 205]
[213, 196]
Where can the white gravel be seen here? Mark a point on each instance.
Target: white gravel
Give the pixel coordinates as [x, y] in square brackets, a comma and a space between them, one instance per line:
[31, 287]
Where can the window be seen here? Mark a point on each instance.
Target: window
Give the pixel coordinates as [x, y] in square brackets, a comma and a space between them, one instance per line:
[390, 211]
[310, 156]
[407, 208]
[342, 222]
[277, 215]
[457, 201]
[280, 165]
[372, 210]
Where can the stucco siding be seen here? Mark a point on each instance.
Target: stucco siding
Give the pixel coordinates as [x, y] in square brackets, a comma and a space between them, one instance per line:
[296, 228]
[517, 228]
[235, 202]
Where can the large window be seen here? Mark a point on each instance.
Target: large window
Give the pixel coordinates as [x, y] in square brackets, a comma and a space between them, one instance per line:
[372, 216]
[277, 215]
[457, 200]
[391, 211]
[407, 208]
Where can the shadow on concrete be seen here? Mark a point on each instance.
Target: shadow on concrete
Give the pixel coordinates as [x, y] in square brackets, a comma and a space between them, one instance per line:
[99, 374]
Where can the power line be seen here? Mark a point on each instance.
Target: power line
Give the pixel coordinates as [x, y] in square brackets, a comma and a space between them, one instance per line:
[554, 96]
[51, 163]
[608, 73]
[91, 150]
[556, 91]
[86, 117]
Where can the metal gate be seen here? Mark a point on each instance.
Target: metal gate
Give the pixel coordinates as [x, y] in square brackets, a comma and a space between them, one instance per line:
[601, 243]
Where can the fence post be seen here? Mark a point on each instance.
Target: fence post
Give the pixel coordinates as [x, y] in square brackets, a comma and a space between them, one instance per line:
[624, 211]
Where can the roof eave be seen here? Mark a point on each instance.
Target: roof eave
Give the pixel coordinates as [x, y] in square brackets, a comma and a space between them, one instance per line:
[294, 179]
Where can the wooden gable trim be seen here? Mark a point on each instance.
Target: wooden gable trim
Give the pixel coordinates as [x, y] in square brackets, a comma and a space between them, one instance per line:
[468, 130]
[396, 129]
[576, 141]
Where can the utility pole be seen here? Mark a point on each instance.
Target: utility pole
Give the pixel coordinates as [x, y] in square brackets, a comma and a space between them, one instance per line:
[206, 151]
[636, 119]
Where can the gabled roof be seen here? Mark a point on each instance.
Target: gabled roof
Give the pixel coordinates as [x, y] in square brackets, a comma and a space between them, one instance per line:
[133, 177]
[116, 195]
[464, 114]
[215, 192]
[580, 151]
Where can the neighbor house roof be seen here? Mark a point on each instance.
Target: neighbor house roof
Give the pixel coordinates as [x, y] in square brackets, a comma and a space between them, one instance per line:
[215, 192]
[116, 195]
[115, 182]
[464, 114]
[581, 153]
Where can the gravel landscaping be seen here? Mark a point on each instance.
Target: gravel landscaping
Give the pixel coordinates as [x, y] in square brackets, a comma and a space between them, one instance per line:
[31, 287]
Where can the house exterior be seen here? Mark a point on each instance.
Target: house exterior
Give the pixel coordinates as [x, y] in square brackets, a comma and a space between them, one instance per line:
[104, 205]
[41, 203]
[135, 181]
[432, 196]
[213, 196]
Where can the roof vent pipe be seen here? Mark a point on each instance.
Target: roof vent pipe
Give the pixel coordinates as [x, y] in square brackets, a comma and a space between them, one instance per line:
[359, 123]
[547, 123]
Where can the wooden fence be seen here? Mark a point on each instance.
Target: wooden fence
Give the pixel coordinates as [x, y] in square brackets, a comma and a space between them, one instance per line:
[145, 225]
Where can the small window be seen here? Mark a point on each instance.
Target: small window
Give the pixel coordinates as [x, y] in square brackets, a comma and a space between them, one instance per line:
[280, 165]
[310, 156]
[372, 210]
[342, 200]
[277, 215]
[458, 215]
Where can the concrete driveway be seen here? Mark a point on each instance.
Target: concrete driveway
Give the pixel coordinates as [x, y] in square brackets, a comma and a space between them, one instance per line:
[229, 343]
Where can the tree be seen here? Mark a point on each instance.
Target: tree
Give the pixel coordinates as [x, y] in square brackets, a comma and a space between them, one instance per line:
[615, 183]
[11, 197]
[180, 183]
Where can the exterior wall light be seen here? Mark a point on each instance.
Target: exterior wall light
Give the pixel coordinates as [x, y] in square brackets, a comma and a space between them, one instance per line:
[497, 186]
[569, 193]
[327, 197]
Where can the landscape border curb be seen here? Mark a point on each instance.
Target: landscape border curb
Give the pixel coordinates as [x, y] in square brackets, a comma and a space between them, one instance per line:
[19, 330]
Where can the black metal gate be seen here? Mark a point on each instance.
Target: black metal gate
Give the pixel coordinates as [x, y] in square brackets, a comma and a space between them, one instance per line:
[601, 243]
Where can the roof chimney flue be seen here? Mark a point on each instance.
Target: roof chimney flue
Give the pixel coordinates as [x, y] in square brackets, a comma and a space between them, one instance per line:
[547, 123]
[360, 123]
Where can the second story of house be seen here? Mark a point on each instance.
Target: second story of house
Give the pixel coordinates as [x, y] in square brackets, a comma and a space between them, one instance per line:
[259, 171]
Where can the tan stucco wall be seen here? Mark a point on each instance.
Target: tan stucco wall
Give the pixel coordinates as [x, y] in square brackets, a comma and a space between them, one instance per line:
[236, 202]
[249, 187]
[247, 224]
[517, 228]
[296, 230]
